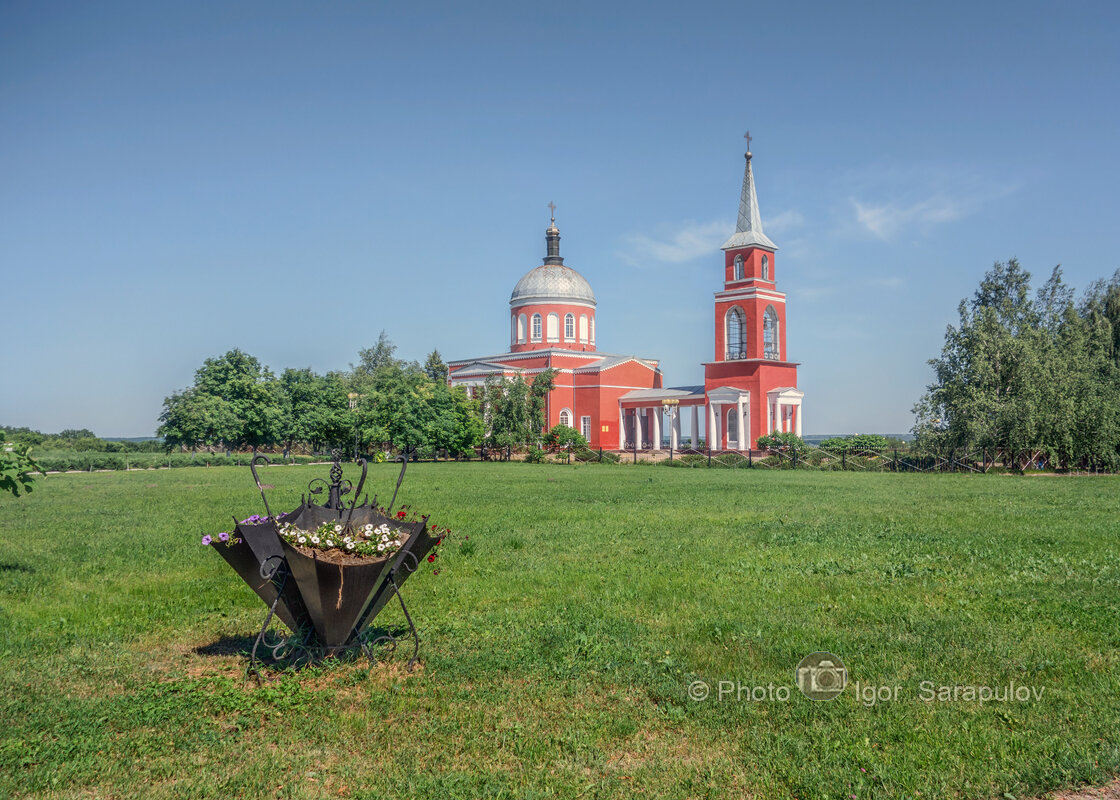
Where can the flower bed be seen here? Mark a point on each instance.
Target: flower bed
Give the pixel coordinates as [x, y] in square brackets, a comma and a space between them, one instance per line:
[327, 570]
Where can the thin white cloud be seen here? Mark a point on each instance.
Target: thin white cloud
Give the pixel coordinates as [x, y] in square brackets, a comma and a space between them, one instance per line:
[894, 200]
[691, 241]
[887, 219]
[783, 221]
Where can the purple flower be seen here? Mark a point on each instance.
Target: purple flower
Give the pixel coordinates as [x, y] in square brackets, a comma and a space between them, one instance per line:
[207, 539]
[223, 536]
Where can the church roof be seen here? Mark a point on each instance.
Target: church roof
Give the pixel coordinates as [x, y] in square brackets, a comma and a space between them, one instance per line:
[748, 230]
[552, 282]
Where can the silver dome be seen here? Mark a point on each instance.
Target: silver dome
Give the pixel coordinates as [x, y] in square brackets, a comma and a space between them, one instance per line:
[552, 282]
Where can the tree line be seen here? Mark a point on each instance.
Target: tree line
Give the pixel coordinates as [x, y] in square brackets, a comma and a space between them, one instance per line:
[1032, 377]
[380, 403]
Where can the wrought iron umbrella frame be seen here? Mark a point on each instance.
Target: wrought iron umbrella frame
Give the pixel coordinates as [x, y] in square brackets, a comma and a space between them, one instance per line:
[296, 594]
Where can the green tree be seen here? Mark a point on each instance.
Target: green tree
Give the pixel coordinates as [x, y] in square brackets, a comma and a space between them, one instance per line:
[193, 419]
[251, 391]
[454, 420]
[435, 368]
[16, 468]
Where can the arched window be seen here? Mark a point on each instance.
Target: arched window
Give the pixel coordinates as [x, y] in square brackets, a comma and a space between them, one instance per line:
[554, 327]
[513, 329]
[521, 328]
[593, 330]
[566, 417]
[569, 327]
[765, 267]
[583, 328]
[536, 327]
[770, 333]
[739, 267]
[736, 334]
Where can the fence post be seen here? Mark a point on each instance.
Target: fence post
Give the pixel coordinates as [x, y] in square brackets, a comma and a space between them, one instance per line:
[795, 456]
[709, 456]
[600, 455]
[569, 452]
[750, 458]
[895, 460]
[509, 453]
[843, 460]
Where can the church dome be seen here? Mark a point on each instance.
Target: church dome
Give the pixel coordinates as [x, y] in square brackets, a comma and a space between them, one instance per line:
[552, 282]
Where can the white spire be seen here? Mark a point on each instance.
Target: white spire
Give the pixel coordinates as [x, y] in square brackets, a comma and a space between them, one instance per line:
[748, 231]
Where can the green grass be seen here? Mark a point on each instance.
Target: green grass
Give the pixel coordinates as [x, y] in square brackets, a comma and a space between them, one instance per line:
[560, 640]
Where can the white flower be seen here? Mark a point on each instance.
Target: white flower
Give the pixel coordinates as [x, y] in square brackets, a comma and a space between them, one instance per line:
[314, 539]
[330, 543]
[349, 545]
[381, 546]
[338, 529]
[303, 540]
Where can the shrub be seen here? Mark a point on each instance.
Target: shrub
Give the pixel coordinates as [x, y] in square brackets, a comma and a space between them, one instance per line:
[535, 456]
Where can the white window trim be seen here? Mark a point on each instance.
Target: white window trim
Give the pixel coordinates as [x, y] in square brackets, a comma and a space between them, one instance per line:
[568, 412]
[538, 326]
[585, 427]
[569, 317]
[552, 327]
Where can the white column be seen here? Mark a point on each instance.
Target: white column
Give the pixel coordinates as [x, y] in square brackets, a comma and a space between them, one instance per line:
[621, 427]
[746, 423]
[717, 431]
[797, 420]
[785, 418]
[708, 431]
[675, 433]
[637, 428]
[695, 427]
[769, 417]
[655, 435]
[741, 437]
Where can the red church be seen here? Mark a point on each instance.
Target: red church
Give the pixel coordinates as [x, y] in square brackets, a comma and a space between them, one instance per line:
[618, 401]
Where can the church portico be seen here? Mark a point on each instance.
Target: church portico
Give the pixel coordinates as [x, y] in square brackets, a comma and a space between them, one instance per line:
[783, 410]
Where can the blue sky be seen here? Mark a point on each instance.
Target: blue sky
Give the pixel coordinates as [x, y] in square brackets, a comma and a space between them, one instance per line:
[182, 178]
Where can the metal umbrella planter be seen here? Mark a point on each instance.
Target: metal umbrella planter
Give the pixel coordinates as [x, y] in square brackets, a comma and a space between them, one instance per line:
[328, 570]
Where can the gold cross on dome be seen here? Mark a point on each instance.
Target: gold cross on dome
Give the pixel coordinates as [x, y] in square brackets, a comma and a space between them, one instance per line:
[552, 208]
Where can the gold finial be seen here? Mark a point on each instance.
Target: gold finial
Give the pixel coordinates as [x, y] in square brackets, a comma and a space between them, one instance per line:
[552, 208]
[747, 136]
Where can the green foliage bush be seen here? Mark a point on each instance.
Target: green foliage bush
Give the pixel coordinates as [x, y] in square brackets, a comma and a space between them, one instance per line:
[16, 468]
[688, 460]
[535, 456]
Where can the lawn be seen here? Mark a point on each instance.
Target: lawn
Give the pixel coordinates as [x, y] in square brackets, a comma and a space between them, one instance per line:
[561, 639]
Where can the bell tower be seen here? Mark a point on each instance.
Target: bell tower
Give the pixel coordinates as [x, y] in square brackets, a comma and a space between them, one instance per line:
[750, 311]
[751, 368]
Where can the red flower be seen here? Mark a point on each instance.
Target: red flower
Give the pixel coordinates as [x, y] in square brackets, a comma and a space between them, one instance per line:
[402, 514]
[431, 558]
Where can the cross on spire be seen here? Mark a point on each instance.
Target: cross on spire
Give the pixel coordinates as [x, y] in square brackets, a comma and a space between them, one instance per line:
[552, 208]
[747, 136]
